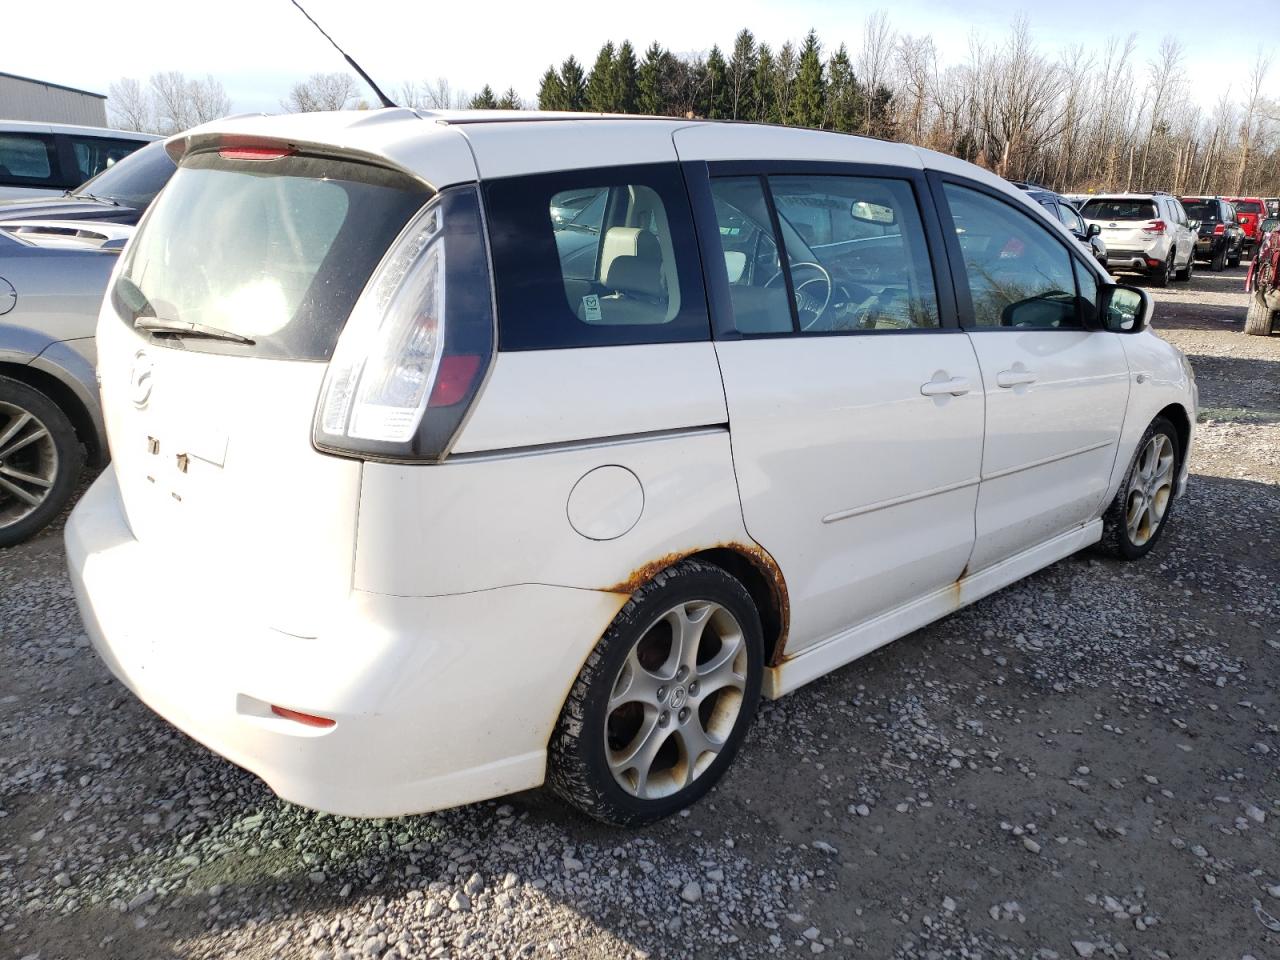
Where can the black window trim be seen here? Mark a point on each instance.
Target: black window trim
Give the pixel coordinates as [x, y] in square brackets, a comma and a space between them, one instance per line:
[959, 275]
[698, 175]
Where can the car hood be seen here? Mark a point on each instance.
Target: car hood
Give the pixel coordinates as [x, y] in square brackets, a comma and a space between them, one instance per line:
[66, 208]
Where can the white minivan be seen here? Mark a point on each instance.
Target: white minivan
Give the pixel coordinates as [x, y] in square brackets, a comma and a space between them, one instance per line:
[453, 454]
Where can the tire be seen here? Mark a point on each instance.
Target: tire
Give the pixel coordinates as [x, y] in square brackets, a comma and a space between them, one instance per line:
[635, 666]
[1153, 483]
[1184, 275]
[1234, 261]
[40, 461]
[1219, 260]
[1260, 318]
[1161, 279]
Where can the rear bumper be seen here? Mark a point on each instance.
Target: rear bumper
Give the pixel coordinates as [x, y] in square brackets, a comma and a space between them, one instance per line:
[1128, 260]
[436, 701]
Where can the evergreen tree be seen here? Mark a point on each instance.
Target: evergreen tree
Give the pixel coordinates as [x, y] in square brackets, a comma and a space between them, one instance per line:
[484, 100]
[784, 79]
[808, 104]
[742, 66]
[574, 84]
[650, 86]
[510, 100]
[551, 91]
[625, 79]
[845, 102]
[762, 94]
[600, 85]
[719, 106]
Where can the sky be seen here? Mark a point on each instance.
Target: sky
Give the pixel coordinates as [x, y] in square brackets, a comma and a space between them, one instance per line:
[259, 48]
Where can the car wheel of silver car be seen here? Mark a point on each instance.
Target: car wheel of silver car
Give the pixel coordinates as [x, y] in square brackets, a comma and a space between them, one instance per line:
[662, 704]
[1140, 511]
[1164, 272]
[1186, 272]
[40, 461]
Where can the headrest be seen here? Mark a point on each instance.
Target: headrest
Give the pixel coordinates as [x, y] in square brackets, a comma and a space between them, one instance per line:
[640, 276]
[627, 242]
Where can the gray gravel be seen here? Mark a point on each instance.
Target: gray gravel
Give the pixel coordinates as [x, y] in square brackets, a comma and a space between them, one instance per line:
[1083, 765]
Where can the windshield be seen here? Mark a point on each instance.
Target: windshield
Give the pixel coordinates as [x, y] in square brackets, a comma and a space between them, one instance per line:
[133, 180]
[1202, 210]
[1118, 210]
[275, 252]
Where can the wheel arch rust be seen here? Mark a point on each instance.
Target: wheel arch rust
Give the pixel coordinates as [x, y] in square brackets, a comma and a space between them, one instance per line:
[753, 566]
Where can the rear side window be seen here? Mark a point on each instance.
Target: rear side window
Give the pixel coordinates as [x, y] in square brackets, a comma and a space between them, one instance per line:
[599, 257]
[274, 251]
[27, 159]
[1118, 210]
[92, 155]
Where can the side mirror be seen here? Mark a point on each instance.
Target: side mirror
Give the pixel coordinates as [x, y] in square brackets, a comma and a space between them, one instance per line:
[1193, 224]
[1124, 309]
[1094, 230]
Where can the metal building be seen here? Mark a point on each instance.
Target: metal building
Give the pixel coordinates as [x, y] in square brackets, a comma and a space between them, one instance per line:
[22, 98]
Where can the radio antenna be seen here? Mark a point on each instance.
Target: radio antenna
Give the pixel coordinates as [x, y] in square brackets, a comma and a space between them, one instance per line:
[382, 97]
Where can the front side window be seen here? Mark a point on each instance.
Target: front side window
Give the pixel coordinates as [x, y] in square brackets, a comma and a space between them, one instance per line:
[1019, 275]
[27, 159]
[1070, 219]
[855, 248]
[595, 258]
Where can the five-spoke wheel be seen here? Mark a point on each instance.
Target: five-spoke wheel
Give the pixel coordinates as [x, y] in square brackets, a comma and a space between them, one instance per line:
[1137, 515]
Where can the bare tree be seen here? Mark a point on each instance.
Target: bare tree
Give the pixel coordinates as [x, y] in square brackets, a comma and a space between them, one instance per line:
[1252, 111]
[130, 106]
[1166, 76]
[179, 103]
[874, 59]
[322, 91]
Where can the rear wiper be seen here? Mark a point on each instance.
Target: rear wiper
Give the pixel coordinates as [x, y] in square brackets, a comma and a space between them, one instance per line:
[184, 328]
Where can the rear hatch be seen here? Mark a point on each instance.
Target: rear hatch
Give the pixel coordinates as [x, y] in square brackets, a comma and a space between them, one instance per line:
[213, 345]
[1128, 225]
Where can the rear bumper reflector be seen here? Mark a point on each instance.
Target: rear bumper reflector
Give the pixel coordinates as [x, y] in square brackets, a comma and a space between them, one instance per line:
[306, 719]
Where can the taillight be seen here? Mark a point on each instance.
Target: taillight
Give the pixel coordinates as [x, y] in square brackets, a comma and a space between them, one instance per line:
[1220, 229]
[1155, 226]
[418, 341]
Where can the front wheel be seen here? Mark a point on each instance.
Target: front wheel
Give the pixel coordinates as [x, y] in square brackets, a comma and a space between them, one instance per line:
[1185, 273]
[664, 701]
[40, 461]
[1258, 321]
[1138, 515]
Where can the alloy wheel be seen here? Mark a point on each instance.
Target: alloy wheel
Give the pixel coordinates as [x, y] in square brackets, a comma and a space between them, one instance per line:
[28, 463]
[676, 699]
[1150, 489]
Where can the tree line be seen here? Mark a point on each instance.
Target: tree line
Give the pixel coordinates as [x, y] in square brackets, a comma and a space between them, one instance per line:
[1077, 120]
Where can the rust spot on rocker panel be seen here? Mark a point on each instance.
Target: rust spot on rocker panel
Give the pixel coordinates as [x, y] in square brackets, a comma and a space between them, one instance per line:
[776, 615]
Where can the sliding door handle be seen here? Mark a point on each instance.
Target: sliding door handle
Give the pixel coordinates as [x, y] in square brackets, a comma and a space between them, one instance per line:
[956, 387]
[1015, 378]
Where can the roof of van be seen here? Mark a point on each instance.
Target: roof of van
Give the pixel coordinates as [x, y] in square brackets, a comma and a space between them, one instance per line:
[453, 146]
[32, 126]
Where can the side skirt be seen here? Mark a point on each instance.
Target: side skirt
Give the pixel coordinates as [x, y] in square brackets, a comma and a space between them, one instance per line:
[858, 641]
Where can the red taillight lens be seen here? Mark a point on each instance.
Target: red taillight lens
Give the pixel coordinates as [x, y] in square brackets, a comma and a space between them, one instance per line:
[1220, 229]
[1155, 226]
[454, 379]
[306, 719]
[250, 152]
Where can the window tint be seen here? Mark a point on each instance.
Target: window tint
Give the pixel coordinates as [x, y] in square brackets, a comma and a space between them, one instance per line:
[1118, 210]
[1248, 206]
[1070, 218]
[856, 255]
[95, 154]
[27, 159]
[595, 257]
[1019, 275]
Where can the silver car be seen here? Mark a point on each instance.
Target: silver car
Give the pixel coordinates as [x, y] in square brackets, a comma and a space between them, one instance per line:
[52, 278]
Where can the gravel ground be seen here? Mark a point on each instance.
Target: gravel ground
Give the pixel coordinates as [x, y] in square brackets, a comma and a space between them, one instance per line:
[1083, 765]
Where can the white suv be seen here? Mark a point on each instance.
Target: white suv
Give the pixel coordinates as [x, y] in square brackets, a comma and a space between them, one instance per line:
[1147, 233]
[453, 453]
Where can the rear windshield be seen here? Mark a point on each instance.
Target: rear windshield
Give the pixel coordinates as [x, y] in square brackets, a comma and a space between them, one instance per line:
[276, 251]
[135, 179]
[1203, 210]
[1118, 210]
[1248, 206]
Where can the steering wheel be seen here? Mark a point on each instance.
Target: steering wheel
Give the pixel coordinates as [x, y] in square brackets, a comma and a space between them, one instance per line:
[809, 305]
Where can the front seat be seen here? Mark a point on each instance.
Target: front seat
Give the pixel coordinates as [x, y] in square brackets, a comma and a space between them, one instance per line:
[637, 293]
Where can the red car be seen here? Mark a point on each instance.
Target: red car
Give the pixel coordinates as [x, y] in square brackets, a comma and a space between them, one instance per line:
[1249, 211]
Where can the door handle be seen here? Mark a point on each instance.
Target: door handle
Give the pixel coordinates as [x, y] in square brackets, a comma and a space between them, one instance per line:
[1015, 378]
[956, 387]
